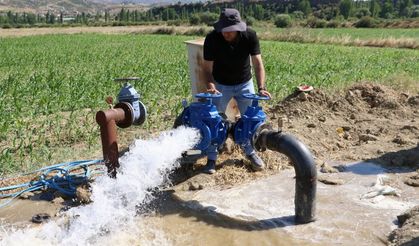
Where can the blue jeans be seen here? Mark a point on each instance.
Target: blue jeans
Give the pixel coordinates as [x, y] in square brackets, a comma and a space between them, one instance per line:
[236, 92]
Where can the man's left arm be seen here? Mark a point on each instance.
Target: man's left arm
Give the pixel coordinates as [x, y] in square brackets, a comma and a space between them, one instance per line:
[260, 74]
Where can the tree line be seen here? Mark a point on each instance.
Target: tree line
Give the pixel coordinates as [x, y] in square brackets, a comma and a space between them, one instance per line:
[207, 13]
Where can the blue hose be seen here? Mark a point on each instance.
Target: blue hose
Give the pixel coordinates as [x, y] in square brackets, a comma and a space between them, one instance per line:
[63, 180]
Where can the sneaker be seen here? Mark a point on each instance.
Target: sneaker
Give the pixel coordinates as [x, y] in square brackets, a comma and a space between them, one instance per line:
[210, 167]
[255, 162]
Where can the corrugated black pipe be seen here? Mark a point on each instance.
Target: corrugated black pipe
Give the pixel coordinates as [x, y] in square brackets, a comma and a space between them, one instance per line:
[305, 170]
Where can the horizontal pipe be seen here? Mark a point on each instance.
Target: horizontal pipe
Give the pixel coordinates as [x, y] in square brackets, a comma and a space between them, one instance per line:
[304, 166]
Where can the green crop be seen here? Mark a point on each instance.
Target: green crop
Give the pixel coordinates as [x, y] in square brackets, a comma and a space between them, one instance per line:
[352, 33]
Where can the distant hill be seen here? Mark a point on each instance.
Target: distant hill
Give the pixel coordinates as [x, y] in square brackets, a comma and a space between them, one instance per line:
[73, 6]
[43, 6]
[148, 2]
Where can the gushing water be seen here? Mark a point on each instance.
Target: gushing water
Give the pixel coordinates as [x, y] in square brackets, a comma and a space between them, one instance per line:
[112, 214]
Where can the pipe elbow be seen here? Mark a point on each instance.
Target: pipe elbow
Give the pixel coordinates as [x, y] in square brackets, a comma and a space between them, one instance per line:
[305, 170]
[299, 154]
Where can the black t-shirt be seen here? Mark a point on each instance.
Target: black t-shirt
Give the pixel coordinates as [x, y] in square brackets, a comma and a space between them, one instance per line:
[231, 60]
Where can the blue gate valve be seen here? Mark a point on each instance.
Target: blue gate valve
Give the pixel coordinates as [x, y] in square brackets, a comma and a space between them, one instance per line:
[129, 95]
[247, 125]
[205, 117]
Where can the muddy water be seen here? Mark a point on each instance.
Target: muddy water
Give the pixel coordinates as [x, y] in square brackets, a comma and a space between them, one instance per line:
[188, 223]
[260, 213]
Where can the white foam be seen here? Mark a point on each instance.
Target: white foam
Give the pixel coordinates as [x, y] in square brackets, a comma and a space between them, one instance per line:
[113, 210]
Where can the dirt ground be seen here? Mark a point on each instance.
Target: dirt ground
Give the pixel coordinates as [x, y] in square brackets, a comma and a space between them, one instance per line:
[365, 122]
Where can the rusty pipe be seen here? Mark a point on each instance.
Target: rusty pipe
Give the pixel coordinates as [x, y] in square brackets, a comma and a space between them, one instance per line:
[119, 115]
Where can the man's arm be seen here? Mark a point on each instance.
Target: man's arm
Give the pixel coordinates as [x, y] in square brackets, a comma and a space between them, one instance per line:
[209, 79]
[260, 74]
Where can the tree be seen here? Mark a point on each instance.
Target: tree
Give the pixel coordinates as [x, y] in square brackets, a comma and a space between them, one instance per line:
[258, 11]
[345, 7]
[361, 12]
[405, 8]
[387, 10]
[208, 18]
[415, 11]
[305, 7]
[283, 20]
[47, 17]
[170, 14]
[106, 15]
[194, 19]
[121, 15]
[375, 8]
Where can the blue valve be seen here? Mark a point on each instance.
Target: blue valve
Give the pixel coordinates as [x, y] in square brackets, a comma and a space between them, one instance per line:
[253, 117]
[205, 117]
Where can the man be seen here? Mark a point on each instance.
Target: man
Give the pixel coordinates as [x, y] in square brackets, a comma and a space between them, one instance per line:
[227, 67]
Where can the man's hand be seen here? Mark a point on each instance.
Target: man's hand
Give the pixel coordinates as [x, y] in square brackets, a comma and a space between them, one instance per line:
[211, 88]
[265, 93]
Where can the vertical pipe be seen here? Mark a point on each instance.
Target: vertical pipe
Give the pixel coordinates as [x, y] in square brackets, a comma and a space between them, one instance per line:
[305, 170]
[107, 122]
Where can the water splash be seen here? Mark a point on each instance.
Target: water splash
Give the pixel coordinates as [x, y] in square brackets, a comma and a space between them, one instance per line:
[111, 215]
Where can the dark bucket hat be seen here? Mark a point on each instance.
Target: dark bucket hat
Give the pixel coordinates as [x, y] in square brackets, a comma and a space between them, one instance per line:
[230, 21]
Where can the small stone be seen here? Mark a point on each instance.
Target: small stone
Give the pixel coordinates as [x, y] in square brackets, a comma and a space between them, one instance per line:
[83, 194]
[400, 140]
[341, 145]
[330, 181]
[297, 112]
[353, 117]
[27, 195]
[58, 200]
[340, 168]
[346, 128]
[328, 169]
[380, 151]
[367, 137]
[302, 96]
[412, 180]
[41, 218]
[402, 218]
[311, 125]
[195, 186]
[322, 119]
[409, 127]
[347, 136]
[413, 100]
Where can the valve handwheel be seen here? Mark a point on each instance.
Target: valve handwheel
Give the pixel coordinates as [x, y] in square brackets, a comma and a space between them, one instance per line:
[255, 96]
[208, 95]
